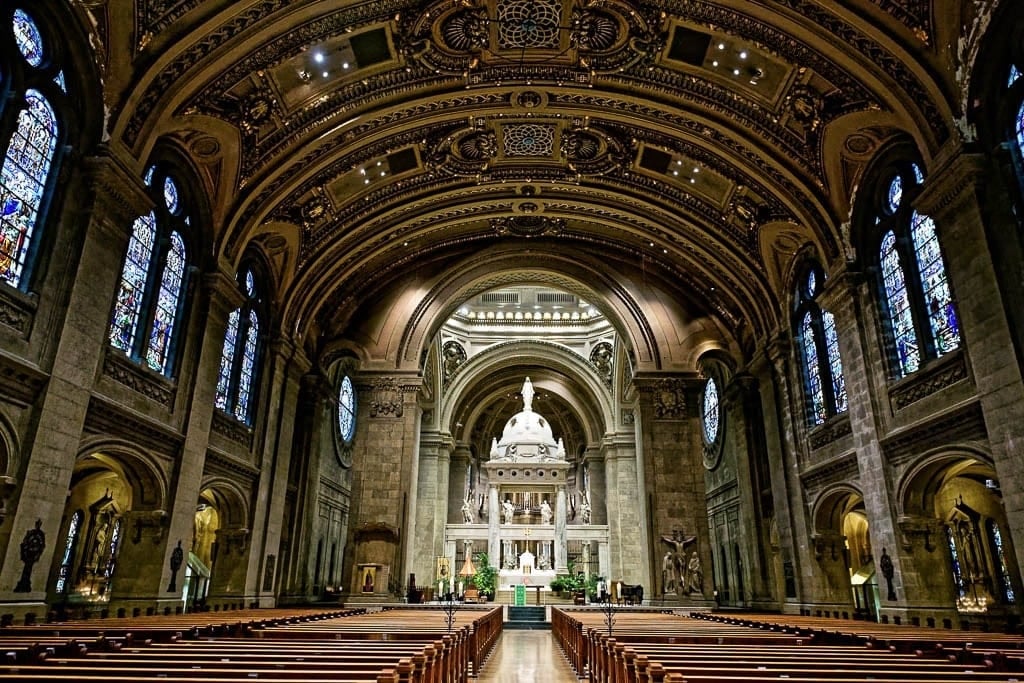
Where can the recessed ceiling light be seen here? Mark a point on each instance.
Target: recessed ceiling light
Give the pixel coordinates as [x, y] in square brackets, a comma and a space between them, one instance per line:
[318, 57]
[743, 55]
[721, 46]
[325, 74]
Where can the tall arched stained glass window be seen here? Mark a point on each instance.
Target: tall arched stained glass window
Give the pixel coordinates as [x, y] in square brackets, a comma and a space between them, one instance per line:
[835, 363]
[996, 539]
[920, 316]
[239, 364]
[346, 410]
[112, 548]
[132, 290]
[941, 313]
[958, 577]
[898, 304]
[68, 556]
[23, 182]
[150, 298]
[33, 130]
[227, 360]
[1020, 128]
[825, 384]
[711, 410]
[167, 305]
[818, 411]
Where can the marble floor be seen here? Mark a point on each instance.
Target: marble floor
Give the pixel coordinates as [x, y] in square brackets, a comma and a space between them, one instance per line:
[526, 657]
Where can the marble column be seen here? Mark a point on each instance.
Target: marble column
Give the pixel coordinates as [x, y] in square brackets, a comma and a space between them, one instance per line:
[109, 198]
[561, 565]
[493, 526]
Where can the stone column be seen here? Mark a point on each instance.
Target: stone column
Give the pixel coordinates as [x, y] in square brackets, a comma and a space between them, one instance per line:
[952, 197]
[109, 199]
[431, 503]
[670, 439]
[289, 365]
[797, 580]
[493, 526]
[561, 564]
[223, 296]
[626, 515]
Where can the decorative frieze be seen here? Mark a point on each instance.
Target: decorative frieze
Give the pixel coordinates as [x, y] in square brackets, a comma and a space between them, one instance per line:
[16, 310]
[22, 383]
[233, 468]
[114, 421]
[231, 429]
[832, 430]
[933, 378]
[137, 378]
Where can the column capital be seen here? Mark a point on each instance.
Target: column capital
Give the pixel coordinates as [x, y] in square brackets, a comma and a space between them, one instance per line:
[741, 385]
[120, 193]
[955, 178]
[841, 287]
[223, 289]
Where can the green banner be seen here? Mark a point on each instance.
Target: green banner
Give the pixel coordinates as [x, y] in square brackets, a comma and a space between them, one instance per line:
[520, 595]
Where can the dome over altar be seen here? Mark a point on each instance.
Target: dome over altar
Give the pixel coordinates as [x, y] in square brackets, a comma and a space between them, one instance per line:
[527, 435]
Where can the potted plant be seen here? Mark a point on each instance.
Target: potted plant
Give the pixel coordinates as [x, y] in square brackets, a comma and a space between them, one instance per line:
[486, 577]
[557, 585]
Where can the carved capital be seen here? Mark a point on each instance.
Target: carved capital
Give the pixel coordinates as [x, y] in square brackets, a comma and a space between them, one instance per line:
[666, 396]
[119, 196]
[955, 180]
[224, 292]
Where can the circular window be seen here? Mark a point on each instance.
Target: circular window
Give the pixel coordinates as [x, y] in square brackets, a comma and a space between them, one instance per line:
[346, 410]
[711, 411]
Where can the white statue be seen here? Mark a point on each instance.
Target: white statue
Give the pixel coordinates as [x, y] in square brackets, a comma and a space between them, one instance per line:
[585, 511]
[527, 396]
[508, 510]
[695, 575]
[467, 512]
[545, 513]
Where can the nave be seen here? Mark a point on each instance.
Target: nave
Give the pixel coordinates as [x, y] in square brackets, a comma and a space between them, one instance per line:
[526, 656]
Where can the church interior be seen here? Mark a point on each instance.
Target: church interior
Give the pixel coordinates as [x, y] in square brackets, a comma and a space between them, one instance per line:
[709, 304]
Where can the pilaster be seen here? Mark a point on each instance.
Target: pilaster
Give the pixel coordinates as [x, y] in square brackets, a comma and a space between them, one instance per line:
[113, 200]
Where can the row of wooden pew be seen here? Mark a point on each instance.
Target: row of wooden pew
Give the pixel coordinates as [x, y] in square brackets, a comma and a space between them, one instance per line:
[656, 647]
[288, 646]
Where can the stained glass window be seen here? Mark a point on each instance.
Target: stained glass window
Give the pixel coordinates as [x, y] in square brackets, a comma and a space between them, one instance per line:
[941, 311]
[23, 181]
[28, 38]
[812, 281]
[250, 283]
[900, 314]
[112, 548]
[149, 175]
[170, 195]
[168, 297]
[346, 410]
[1014, 75]
[958, 580]
[68, 557]
[711, 410]
[133, 283]
[61, 83]
[834, 362]
[895, 195]
[1004, 572]
[248, 369]
[818, 409]
[918, 174]
[227, 361]
[1020, 128]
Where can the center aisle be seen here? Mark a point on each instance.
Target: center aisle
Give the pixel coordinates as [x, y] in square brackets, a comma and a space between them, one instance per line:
[527, 657]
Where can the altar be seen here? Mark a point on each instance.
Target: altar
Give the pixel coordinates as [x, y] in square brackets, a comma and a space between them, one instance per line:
[526, 574]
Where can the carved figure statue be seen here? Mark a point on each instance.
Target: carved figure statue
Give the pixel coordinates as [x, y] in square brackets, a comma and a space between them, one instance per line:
[585, 511]
[668, 573]
[679, 542]
[545, 513]
[527, 395]
[888, 571]
[467, 512]
[694, 574]
[508, 510]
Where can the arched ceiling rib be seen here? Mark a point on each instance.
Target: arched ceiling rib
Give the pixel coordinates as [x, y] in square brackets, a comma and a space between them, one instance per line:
[744, 95]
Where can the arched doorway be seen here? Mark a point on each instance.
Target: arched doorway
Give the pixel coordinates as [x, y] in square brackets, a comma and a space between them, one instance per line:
[843, 550]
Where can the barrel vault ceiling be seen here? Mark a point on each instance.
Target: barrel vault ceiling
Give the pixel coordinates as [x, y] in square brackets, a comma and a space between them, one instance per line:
[694, 143]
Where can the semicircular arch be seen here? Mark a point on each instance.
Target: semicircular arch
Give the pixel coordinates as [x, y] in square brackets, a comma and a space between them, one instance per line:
[915, 492]
[141, 470]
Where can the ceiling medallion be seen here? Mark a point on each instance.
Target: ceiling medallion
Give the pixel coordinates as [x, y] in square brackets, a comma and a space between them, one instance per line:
[527, 226]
